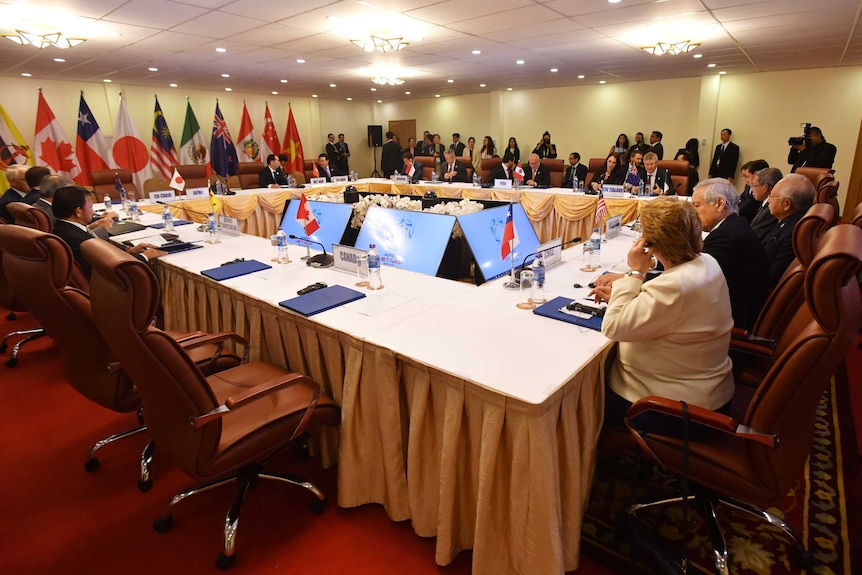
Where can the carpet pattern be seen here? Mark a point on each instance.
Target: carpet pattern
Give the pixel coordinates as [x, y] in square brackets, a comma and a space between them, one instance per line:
[755, 547]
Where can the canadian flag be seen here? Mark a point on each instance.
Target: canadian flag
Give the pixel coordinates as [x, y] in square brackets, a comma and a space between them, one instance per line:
[306, 217]
[53, 148]
[411, 169]
[519, 172]
[177, 181]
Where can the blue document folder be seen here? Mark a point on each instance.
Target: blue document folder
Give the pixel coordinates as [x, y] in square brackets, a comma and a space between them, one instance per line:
[234, 270]
[552, 310]
[321, 300]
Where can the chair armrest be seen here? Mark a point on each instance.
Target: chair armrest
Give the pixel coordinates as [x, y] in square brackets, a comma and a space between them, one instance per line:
[217, 339]
[755, 346]
[252, 394]
[182, 338]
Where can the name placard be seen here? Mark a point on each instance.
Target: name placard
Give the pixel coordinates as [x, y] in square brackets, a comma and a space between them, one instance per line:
[613, 226]
[503, 184]
[165, 196]
[197, 193]
[613, 190]
[401, 179]
[317, 181]
[345, 257]
[339, 179]
[229, 226]
[552, 251]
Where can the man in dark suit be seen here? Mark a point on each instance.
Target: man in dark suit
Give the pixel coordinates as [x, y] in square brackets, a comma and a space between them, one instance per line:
[34, 177]
[655, 144]
[725, 158]
[453, 170]
[815, 153]
[761, 220]
[343, 155]
[409, 164]
[390, 157]
[735, 247]
[788, 202]
[18, 190]
[635, 172]
[535, 174]
[639, 145]
[657, 180]
[575, 171]
[272, 176]
[73, 208]
[325, 169]
[49, 186]
[457, 145]
[331, 151]
[505, 171]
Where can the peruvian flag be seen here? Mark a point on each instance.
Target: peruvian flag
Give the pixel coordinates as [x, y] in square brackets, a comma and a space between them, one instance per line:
[177, 181]
[411, 169]
[306, 217]
[247, 146]
[270, 143]
[129, 151]
[510, 234]
[53, 148]
[92, 148]
[519, 174]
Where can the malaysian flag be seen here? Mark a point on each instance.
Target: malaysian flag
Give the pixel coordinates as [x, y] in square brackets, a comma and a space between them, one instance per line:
[601, 208]
[163, 154]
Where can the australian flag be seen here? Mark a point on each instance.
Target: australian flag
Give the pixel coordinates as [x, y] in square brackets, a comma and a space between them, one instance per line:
[222, 151]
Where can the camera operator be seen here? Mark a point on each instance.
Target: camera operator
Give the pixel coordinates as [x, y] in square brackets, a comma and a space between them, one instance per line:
[811, 150]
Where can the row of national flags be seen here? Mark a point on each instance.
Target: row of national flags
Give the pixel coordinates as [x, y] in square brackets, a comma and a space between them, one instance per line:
[91, 151]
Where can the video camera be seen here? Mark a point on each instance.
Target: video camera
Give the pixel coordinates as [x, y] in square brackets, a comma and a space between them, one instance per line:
[805, 139]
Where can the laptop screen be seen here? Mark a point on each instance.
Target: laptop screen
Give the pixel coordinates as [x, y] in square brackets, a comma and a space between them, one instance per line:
[332, 219]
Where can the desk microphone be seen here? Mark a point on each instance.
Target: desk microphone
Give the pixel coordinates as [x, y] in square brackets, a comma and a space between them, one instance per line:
[524, 263]
[204, 214]
[323, 260]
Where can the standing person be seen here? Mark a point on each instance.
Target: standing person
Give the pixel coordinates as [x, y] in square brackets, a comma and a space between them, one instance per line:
[691, 148]
[343, 155]
[457, 145]
[331, 151]
[545, 149]
[621, 147]
[475, 155]
[655, 144]
[815, 152]
[412, 148]
[390, 156]
[488, 149]
[639, 145]
[514, 149]
[725, 157]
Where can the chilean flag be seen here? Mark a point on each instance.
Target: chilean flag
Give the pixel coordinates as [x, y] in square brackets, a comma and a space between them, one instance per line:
[306, 217]
[519, 175]
[510, 234]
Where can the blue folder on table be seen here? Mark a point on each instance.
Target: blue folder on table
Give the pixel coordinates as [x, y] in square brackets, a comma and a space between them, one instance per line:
[161, 225]
[321, 300]
[177, 247]
[552, 310]
[235, 269]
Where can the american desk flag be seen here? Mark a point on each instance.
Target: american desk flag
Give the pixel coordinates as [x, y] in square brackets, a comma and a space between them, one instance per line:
[92, 151]
[601, 208]
[163, 154]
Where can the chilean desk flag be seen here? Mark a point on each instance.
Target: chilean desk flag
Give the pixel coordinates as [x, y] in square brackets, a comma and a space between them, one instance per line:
[510, 234]
[306, 217]
[519, 174]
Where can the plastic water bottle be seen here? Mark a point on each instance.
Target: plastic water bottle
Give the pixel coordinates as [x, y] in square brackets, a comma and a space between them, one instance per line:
[352, 175]
[641, 188]
[595, 248]
[108, 203]
[167, 219]
[434, 177]
[281, 246]
[477, 183]
[374, 279]
[538, 293]
[134, 211]
[124, 199]
[219, 188]
[517, 183]
[290, 181]
[212, 229]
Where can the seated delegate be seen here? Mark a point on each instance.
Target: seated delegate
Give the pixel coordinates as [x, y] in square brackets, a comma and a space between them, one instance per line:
[613, 174]
[659, 324]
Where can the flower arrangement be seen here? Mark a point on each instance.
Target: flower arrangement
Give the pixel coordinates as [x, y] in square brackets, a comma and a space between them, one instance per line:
[360, 208]
[456, 209]
[337, 198]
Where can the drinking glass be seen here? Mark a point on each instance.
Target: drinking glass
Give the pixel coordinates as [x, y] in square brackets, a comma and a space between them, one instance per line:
[362, 270]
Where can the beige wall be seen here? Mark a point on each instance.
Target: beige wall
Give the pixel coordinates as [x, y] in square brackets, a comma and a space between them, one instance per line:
[763, 110]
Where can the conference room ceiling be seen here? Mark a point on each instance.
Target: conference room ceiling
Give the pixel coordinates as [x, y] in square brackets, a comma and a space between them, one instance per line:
[266, 42]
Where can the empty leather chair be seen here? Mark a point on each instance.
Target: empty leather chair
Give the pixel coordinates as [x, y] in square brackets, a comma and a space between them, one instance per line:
[827, 193]
[556, 169]
[248, 174]
[754, 456]
[813, 173]
[195, 175]
[217, 429]
[105, 184]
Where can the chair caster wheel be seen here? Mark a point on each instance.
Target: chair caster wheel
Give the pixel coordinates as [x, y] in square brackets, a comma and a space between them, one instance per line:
[12, 362]
[11, 316]
[225, 562]
[144, 486]
[163, 524]
[3, 346]
[92, 465]
[802, 558]
[317, 505]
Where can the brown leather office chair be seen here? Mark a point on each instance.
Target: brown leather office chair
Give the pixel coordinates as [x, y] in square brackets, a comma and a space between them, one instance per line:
[30, 216]
[556, 168]
[594, 165]
[248, 174]
[857, 216]
[104, 184]
[195, 175]
[827, 193]
[217, 429]
[753, 456]
[813, 173]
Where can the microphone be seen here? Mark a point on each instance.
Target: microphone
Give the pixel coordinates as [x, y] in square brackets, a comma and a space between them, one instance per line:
[323, 260]
[524, 263]
[204, 214]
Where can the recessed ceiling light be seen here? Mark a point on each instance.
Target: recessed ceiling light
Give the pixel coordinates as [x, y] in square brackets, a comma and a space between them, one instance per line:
[349, 99]
[107, 80]
[508, 89]
[451, 81]
[482, 85]
[228, 89]
[172, 85]
[153, 69]
[379, 101]
[580, 76]
[59, 60]
[300, 61]
[436, 95]
[284, 81]
[519, 62]
[614, 1]
[698, 56]
[555, 70]
[221, 50]
[476, 52]
[406, 93]
[274, 93]
[601, 81]
[332, 85]
[333, 18]
[225, 75]
[314, 95]
[373, 89]
[722, 73]
[26, 74]
[710, 65]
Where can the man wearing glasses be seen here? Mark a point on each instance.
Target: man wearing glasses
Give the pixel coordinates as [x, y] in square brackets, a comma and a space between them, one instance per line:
[788, 202]
[761, 184]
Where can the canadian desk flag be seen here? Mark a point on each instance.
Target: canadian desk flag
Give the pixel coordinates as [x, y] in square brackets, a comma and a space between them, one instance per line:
[519, 174]
[510, 234]
[306, 217]
[177, 181]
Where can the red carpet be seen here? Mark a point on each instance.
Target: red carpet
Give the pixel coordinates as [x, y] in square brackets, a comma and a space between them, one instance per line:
[56, 518]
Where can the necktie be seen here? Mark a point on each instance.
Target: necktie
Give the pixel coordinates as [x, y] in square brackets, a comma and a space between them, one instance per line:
[450, 168]
[651, 181]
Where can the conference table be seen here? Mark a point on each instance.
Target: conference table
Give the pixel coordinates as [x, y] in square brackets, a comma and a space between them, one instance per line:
[555, 212]
[474, 419]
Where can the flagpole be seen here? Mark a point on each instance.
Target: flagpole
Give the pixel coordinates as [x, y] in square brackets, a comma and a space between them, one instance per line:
[513, 283]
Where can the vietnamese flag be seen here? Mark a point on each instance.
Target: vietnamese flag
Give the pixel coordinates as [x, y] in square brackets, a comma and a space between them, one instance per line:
[306, 217]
